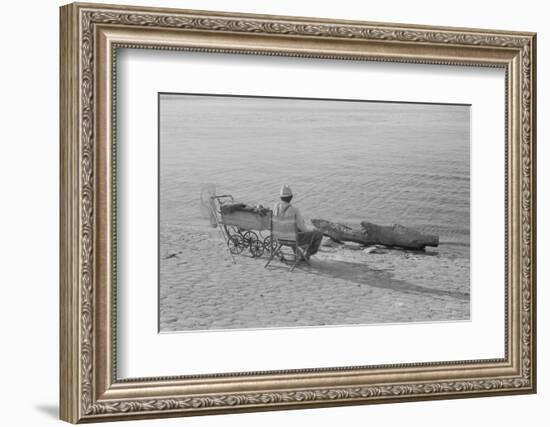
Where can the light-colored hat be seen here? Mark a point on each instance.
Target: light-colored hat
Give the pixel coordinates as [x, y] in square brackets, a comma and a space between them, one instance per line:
[285, 191]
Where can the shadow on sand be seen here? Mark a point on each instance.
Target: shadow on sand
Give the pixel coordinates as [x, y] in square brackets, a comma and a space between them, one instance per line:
[363, 275]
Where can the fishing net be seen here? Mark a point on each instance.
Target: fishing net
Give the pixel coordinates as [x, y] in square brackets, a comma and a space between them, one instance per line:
[207, 206]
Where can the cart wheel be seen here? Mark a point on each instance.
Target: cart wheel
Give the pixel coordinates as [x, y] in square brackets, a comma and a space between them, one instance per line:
[268, 242]
[235, 244]
[249, 237]
[256, 248]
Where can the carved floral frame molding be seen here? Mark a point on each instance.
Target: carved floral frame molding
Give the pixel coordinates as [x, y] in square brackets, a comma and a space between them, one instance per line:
[90, 390]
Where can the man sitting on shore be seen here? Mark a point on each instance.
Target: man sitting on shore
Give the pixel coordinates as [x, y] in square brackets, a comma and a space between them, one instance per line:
[306, 235]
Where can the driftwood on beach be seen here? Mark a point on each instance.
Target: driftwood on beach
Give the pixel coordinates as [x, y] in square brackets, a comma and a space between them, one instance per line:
[398, 235]
[373, 234]
[341, 233]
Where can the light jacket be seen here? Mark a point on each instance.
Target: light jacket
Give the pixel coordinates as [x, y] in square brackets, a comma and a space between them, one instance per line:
[286, 209]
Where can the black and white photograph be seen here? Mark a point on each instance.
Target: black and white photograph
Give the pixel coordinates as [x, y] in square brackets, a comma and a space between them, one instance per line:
[222, 213]
[298, 212]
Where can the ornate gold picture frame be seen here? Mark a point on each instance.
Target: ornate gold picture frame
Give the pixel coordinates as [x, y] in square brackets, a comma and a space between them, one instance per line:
[90, 36]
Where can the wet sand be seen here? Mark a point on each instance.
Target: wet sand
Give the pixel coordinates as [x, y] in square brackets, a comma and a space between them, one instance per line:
[203, 289]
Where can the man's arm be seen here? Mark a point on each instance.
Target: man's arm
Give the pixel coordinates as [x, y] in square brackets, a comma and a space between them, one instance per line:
[300, 223]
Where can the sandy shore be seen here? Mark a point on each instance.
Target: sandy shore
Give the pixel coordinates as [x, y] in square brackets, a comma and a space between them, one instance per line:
[201, 288]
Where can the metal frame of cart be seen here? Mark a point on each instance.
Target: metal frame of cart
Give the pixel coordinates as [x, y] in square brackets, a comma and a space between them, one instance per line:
[241, 229]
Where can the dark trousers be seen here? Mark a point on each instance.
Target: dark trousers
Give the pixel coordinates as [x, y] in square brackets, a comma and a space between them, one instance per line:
[313, 238]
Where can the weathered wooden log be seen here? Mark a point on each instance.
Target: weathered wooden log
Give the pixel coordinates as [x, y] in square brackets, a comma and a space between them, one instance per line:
[398, 235]
[342, 233]
[373, 234]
